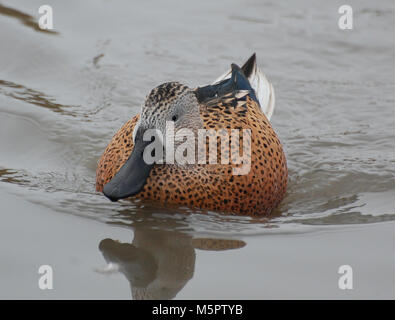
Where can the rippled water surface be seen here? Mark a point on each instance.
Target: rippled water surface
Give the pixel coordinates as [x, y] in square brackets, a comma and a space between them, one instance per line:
[64, 93]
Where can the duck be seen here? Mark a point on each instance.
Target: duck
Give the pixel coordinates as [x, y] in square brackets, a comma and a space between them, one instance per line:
[234, 115]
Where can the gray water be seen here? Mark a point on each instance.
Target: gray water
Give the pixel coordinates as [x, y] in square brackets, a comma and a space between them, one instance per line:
[64, 93]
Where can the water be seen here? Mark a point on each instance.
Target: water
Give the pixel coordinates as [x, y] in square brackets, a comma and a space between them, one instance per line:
[63, 94]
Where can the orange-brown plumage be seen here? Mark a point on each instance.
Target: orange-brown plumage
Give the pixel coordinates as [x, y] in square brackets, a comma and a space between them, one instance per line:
[212, 186]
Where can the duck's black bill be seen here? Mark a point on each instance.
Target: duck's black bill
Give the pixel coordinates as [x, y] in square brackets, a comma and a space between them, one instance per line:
[131, 178]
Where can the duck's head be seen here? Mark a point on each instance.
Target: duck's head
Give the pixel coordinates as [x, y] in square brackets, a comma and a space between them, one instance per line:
[171, 102]
[171, 105]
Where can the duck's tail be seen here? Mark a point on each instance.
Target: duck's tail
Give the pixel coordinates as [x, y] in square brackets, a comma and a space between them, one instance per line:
[264, 90]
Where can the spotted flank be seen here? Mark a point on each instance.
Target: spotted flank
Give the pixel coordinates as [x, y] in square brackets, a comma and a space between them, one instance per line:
[230, 103]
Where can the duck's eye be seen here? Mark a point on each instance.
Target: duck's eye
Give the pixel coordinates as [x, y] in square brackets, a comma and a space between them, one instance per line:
[174, 118]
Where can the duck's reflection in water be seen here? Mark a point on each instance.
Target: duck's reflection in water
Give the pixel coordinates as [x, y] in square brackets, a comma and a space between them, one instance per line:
[159, 263]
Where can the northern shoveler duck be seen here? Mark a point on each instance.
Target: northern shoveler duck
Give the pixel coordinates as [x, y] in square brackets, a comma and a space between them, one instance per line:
[242, 99]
